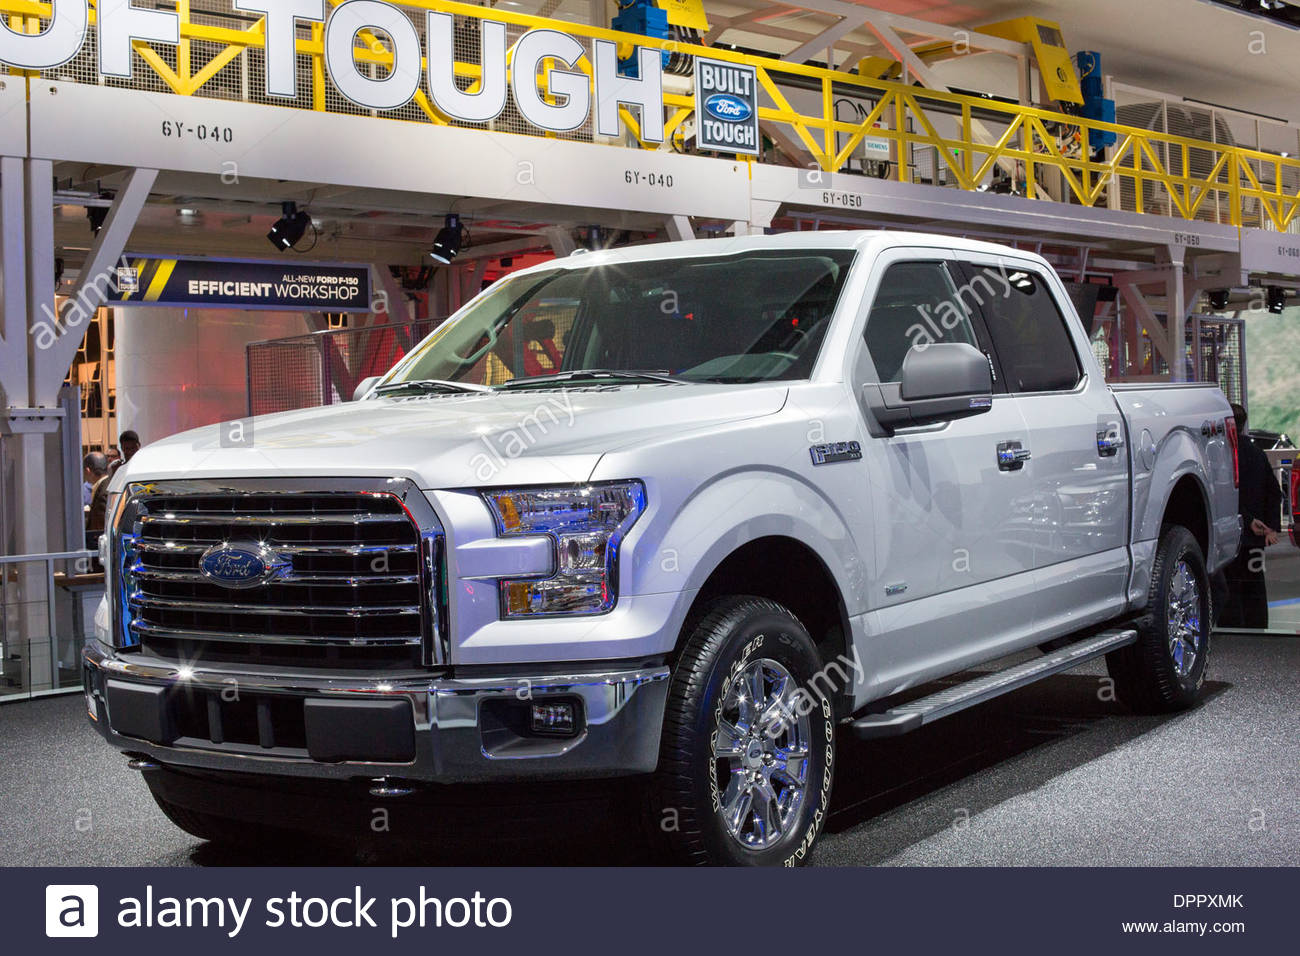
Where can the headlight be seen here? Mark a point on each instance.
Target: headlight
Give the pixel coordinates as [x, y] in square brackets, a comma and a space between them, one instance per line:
[123, 562]
[586, 525]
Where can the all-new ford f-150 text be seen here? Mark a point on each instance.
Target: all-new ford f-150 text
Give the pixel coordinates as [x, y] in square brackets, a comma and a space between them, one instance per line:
[690, 511]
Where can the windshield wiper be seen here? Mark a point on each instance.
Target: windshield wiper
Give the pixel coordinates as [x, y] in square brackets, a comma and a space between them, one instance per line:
[598, 374]
[431, 385]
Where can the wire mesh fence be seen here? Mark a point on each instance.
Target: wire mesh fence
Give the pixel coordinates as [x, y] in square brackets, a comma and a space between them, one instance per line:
[324, 368]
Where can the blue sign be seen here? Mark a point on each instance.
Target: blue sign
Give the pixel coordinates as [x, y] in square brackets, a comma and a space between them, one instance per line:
[240, 284]
[240, 565]
[728, 108]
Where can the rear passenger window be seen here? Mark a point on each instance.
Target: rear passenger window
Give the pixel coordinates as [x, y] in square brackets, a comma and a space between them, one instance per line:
[1029, 333]
[916, 305]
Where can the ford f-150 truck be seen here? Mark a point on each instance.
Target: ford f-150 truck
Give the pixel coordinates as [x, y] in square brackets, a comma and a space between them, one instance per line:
[688, 511]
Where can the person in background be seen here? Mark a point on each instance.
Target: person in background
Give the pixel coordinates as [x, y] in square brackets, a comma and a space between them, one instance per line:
[1259, 501]
[95, 469]
[130, 445]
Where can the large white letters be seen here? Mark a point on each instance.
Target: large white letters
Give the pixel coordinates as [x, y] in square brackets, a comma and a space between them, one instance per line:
[571, 87]
[613, 89]
[120, 23]
[483, 106]
[281, 58]
[55, 46]
[392, 91]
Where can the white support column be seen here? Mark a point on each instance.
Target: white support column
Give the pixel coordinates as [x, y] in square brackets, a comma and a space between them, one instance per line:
[826, 39]
[40, 272]
[880, 25]
[1145, 318]
[1176, 316]
[561, 240]
[679, 228]
[98, 275]
[13, 275]
[472, 279]
[398, 311]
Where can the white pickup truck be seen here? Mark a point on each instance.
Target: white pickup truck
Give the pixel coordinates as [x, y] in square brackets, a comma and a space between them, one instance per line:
[690, 511]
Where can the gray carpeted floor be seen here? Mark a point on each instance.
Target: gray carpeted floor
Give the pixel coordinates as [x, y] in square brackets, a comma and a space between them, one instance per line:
[1050, 775]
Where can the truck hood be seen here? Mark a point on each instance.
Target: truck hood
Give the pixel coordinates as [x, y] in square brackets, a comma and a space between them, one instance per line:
[453, 441]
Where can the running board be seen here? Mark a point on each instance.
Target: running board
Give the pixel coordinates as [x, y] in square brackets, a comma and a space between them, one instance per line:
[917, 713]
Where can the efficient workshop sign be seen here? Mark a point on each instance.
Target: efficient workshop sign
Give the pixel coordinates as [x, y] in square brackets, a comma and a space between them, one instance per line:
[241, 284]
[561, 101]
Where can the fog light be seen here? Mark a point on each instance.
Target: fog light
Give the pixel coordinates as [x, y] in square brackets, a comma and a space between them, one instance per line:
[555, 719]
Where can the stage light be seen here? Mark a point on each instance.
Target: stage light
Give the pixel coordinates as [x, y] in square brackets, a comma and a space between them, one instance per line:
[96, 215]
[447, 244]
[1219, 299]
[1276, 299]
[290, 227]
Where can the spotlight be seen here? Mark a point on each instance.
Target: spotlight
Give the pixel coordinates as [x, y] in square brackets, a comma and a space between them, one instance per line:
[1276, 299]
[447, 244]
[96, 215]
[289, 228]
[1218, 299]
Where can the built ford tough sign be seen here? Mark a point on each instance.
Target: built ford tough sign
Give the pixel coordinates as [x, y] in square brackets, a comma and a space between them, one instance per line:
[688, 512]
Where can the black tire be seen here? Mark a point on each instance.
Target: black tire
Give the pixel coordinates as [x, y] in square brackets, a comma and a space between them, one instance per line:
[1148, 677]
[734, 638]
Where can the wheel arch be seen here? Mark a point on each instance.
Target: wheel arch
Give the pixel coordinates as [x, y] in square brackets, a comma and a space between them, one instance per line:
[788, 571]
[1188, 504]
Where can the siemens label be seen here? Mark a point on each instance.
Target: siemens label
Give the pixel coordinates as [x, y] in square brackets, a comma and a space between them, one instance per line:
[726, 107]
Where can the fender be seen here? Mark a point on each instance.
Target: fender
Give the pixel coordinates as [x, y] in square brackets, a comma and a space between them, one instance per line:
[730, 511]
[1178, 455]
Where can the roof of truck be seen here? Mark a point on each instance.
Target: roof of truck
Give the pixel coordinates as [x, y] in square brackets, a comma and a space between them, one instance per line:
[813, 239]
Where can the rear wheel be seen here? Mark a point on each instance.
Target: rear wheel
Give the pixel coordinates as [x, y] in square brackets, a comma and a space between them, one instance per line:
[749, 740]
[1165, 669]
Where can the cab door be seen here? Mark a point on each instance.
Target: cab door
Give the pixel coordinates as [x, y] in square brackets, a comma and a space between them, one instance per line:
[950, 507]
[1079, 462]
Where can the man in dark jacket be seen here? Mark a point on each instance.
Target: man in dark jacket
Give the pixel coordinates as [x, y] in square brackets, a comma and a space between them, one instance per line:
[1260, 504]
[95, 469]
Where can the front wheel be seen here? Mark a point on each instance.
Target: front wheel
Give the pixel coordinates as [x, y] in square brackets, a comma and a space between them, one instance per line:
[748, 744]
[1165, 669]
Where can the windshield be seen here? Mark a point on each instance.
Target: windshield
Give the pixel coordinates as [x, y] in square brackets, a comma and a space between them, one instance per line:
[751, 317]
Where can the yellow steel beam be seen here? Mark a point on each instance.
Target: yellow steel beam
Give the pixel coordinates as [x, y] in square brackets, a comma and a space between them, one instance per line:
[1137, 159]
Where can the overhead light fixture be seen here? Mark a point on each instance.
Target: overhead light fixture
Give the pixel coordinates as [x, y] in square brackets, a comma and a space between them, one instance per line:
[96, 215]
[290, 227]
[1275, 297]
[446, 246]
[1219, 299]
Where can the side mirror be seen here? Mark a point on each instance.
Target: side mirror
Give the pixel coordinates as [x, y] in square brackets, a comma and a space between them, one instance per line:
[364, 386]
[939, 383]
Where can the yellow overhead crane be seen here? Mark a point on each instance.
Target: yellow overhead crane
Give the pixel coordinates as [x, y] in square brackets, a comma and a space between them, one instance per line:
[1055, 66]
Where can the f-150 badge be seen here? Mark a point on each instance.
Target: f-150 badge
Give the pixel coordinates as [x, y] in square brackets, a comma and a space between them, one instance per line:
[835, 451]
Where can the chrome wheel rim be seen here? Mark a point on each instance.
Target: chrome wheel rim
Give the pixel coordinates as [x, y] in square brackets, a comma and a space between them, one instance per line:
[1184, 619]
[761, 751]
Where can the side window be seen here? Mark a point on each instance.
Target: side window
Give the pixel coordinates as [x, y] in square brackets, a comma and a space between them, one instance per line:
[1029, 333]
[916, 305]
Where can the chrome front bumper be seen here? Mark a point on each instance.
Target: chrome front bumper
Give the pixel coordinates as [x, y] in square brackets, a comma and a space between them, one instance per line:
[459, 734]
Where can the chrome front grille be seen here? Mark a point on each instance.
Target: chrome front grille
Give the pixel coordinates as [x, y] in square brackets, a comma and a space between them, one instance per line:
[356, 579]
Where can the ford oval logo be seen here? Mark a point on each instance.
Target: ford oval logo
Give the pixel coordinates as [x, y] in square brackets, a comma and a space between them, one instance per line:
[729, 108]
[240, 564]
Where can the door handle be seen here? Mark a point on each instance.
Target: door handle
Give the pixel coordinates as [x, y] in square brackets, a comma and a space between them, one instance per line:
[1012, 455]
[1110, 439]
